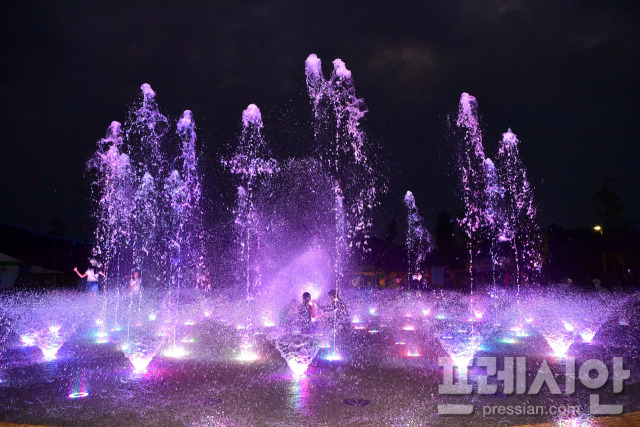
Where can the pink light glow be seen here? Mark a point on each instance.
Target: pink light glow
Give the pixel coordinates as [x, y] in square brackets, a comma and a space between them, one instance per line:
[408, 328]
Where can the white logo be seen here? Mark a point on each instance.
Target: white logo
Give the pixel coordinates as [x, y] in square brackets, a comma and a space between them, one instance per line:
[513, 379]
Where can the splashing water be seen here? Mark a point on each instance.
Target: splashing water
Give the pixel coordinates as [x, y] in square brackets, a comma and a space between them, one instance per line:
[336, 107]
[252, 165]
[298, 350]
[148, 215]
[418, 240]
[472, 177]
[140, 346]
[522, 231]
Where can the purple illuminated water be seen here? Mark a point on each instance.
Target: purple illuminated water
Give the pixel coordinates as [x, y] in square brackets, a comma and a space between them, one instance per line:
[523, 231]
[299, 224]
[418, 240]
[497, 199]
[147, 200]
[473, 182]
[253, 167]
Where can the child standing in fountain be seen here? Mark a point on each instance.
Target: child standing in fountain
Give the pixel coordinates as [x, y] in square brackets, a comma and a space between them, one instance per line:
[92, 275]
[134, 283]
[306, 315]
[338, 314]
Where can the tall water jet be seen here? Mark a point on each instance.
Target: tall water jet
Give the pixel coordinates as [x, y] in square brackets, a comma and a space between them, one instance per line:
[182, 191]
[144, 223]
[495, 214]
[146, 130]
[113, 191]
[418, 240]
[148, 211]
[176, 194]
[5, 330]
[146, 139]
[192, 227]
[253, 167]
[523, 231]
[345, 152]
[473, 181]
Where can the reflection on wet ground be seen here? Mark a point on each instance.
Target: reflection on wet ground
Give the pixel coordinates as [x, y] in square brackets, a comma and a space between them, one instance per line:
[387, 377]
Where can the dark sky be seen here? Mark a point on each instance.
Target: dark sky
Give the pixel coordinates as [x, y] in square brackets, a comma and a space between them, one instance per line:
[562, 74]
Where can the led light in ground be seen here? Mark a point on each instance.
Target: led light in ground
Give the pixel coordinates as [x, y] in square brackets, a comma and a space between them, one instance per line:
[587, 335]
[175, 352]
[413, 352]
[568, 326]
[50, 353]
[78, 395]
[140, 363]
[27, 340]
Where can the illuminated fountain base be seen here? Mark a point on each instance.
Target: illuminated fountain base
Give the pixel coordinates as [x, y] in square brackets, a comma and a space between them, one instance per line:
[140, 345]
[51, 339]
[397, 369]
[298, 350]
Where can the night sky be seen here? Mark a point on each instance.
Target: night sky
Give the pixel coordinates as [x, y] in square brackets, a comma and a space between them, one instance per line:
[563, 75]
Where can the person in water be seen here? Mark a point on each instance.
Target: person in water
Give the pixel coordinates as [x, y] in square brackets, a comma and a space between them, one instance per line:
[92, 275]
[306, 314]
[337, 312]
[134, 283]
